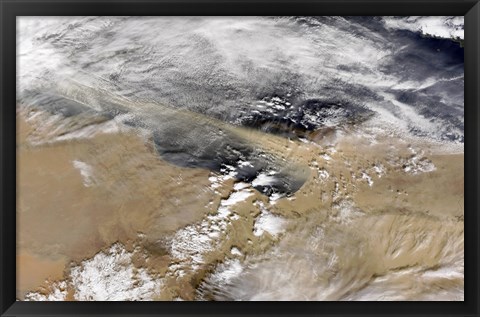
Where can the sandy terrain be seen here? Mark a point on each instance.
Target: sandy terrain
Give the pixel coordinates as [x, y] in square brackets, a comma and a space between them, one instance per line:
[382, 207]
[60, 219]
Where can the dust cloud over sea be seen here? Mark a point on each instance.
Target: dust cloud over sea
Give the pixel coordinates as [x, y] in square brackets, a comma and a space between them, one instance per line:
[241, 158]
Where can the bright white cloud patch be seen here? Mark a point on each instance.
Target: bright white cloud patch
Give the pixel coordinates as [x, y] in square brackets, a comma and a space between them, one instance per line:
[445, 27]
[110, 275]
[86, 171]
[268, 222]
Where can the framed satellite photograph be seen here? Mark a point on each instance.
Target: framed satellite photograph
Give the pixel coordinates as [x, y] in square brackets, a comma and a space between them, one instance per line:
[239, 158]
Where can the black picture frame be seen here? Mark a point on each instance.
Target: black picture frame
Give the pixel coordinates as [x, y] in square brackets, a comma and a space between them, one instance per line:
[10, 9]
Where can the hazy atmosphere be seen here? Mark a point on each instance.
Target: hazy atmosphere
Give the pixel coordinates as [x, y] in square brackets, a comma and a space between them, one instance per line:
[240, 158]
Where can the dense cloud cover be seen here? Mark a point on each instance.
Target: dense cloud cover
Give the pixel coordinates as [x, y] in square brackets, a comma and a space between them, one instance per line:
[224, 66]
